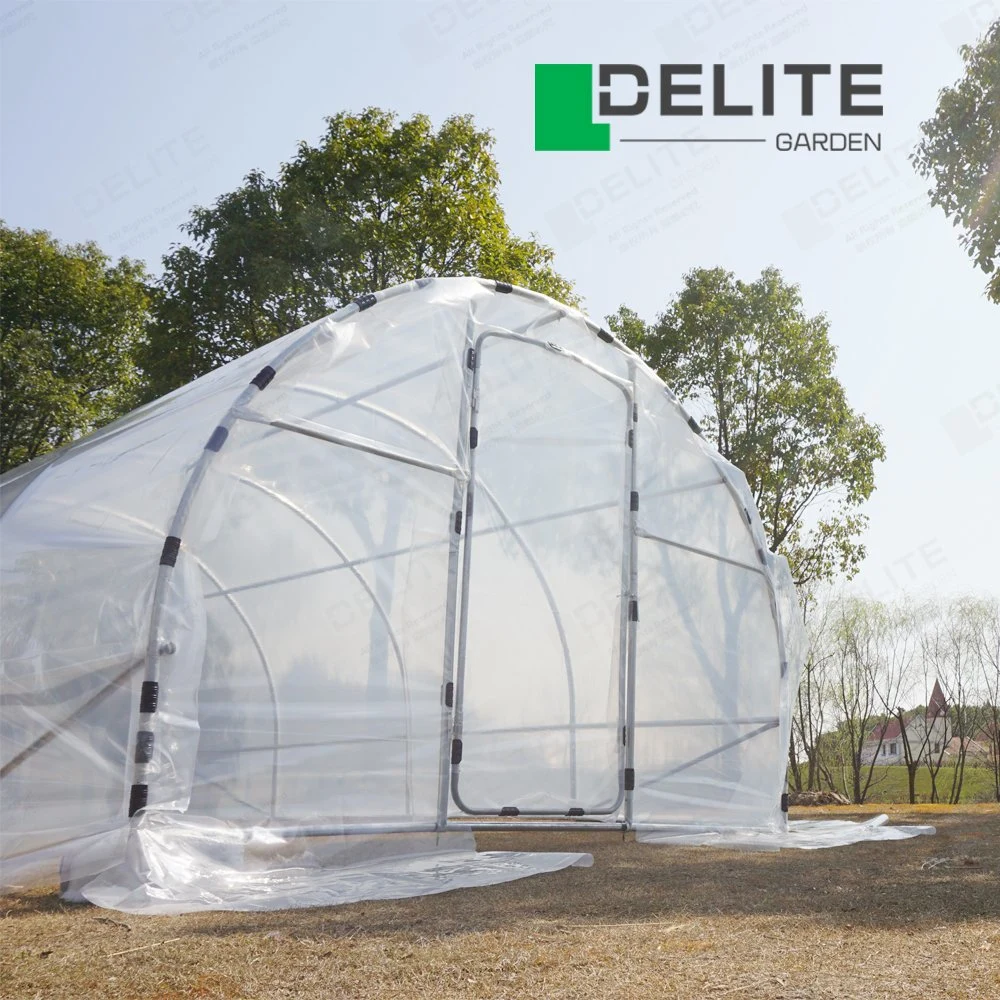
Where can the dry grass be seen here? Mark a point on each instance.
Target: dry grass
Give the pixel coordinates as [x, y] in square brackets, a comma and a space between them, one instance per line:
[871, 921]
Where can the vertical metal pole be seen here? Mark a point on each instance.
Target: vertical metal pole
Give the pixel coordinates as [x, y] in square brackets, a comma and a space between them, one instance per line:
[624, 736]
[448, 692]
[463, 621]
[633, 607]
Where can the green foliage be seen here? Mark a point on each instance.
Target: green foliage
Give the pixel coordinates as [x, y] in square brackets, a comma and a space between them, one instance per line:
[70, 321]
[631, 330]
[374, 203]
[960, 155]
[762, 373]
[890, 784]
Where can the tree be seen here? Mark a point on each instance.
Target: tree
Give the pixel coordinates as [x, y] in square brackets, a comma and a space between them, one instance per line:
[918, 726]
[70, 323]
[374, 203]
[960, 154]
[988, 645]
[953, 651]
[761, 373]
[812, 697]
[868, 670]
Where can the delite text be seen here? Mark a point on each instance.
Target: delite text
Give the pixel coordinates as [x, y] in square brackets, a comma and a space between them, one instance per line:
[672, 88]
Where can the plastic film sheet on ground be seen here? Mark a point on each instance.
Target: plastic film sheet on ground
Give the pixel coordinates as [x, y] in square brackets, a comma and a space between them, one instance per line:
[799, 834]
[176, 867]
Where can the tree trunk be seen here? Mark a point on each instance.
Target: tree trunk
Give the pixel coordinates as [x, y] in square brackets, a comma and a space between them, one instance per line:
[793, 766]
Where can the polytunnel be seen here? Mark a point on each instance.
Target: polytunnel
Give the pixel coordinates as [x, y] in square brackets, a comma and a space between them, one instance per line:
[450, 559]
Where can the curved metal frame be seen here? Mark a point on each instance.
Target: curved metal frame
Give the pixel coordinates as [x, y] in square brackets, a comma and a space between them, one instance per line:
[557, 619]
[254, 638]
[147, 720]
[376, 603]
[763, 568]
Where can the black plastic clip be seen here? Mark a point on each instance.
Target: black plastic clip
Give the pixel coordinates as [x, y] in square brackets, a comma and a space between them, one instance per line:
[634, 500]
[171, 549]
[473, 437]
[504, 286]
[365, 301]
[693, 424]
[456, 751]
[217, 440]
[470, 358]
[510, 811]
[633, 610]
[629, 779]
[605, 336]
[575, 811]
[149, 697]
[137, 799]
[630, 438]
[784, 802]
[449, 694]
[458, 522]
[263, 378]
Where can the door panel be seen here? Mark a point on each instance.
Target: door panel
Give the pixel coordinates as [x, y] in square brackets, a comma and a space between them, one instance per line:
[542, 694]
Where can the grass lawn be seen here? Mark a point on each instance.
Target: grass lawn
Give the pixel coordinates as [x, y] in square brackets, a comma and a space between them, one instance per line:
[867, 921]
[890, 784]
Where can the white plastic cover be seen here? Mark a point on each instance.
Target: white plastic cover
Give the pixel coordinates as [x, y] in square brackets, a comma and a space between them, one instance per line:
[180, 866]
[450, 552]
[801, 834]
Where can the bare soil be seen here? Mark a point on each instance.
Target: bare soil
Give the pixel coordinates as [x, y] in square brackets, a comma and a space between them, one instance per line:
[907, 918]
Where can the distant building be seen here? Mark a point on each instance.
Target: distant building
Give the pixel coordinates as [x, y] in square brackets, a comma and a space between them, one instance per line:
[977, 749]
[927, 731]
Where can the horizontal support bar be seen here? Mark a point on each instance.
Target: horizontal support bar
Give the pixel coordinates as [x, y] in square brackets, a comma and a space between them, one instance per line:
[594, 812]
[749, 720]
[642, 533]
[577, 826]
[381, 829]
[711, 753]
[312, 745]
[615, 727]
[370, 448]
[348, 829]
[582, 825]
[700, 485]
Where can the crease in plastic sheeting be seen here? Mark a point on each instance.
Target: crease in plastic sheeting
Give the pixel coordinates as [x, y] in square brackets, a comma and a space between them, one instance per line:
[805, 835]
[182, 866]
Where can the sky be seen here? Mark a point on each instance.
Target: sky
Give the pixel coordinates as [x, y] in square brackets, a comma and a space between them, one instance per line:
[117, 118]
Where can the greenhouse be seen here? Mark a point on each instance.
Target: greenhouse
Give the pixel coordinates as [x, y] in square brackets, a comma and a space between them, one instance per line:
[448, 560]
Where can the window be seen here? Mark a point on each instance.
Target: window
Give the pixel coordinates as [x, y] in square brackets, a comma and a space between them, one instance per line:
[937, 747]
[892, 749]
[885, 749]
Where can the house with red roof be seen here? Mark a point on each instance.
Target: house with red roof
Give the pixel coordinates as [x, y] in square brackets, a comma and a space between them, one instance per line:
[927, 731]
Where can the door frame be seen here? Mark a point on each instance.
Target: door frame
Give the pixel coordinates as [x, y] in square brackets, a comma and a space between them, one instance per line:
[628, 615]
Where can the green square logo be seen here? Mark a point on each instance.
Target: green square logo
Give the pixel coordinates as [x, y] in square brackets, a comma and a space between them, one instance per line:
[564, 100]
